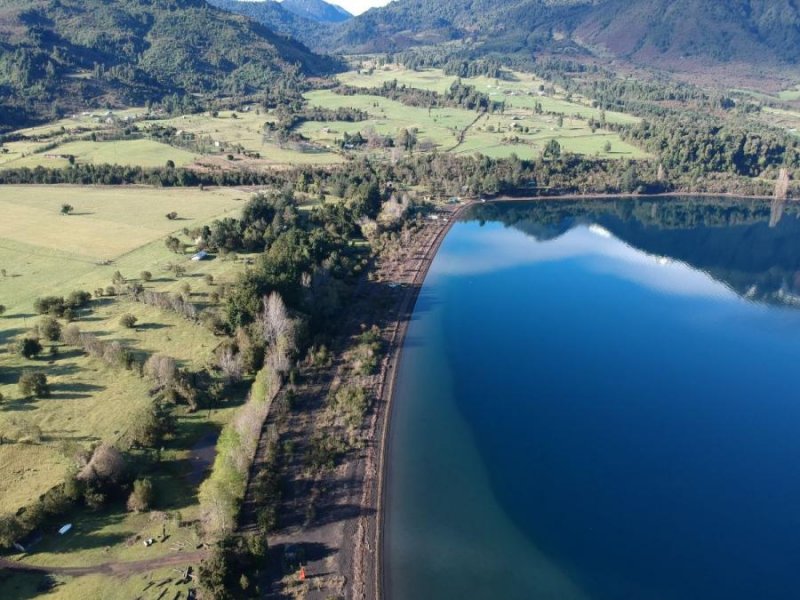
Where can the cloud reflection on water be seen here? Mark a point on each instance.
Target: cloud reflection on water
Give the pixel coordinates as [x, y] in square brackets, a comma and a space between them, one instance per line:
[506, 248]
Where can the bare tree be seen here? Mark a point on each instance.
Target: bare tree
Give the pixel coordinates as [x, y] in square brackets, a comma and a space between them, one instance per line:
[275, 321]
[231, 364]
[106, 465]
[162, 368]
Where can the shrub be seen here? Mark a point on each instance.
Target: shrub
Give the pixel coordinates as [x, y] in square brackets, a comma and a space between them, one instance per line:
[172, 215]
[128, 321]
[50, 329]
[141, 497]
[34, 383]
[146, 276]
[29, 347]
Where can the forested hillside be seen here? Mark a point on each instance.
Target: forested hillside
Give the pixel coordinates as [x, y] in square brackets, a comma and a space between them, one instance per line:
[666, 31]
[64, 55]
[317, 10]
[277, 18]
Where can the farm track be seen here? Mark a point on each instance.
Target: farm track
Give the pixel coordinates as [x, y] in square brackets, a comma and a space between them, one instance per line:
[119, 569]
[462, 135]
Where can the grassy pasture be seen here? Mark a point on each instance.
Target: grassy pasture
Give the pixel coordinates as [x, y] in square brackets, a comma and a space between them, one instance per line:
[489, 135]
[220, 135]
[790, 95]
[247, 130]
[91, 401]
[44, 253]
[517, 89]
[785, 119]
[144, 153]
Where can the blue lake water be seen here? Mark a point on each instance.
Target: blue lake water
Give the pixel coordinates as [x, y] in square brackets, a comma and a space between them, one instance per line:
[601, 400]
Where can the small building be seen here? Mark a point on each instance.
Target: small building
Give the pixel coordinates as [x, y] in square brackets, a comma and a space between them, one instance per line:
[202, 255]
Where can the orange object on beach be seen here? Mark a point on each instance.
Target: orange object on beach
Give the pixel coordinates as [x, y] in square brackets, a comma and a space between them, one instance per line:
[302, 575]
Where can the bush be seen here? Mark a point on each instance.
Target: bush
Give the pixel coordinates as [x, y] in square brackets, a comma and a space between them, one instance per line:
[50, 329]
[146, 276]
[29, 347]
[57, 306]
[141, 497]
[128, 321]
[172, 215]
[34, 383]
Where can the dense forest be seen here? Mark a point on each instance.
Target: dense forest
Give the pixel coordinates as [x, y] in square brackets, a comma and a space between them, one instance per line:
[65, 55]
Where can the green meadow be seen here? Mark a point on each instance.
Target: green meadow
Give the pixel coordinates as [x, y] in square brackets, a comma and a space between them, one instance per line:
[44, 253]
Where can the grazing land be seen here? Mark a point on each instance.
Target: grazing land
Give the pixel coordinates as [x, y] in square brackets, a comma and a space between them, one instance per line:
[535, 113]
[44, 253]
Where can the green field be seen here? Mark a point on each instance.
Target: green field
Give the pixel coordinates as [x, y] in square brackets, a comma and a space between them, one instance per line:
[785, 119]
[44, 253]
[236, 133]
[516, 89]
[497, 135]
[790, 95]
[245, 129]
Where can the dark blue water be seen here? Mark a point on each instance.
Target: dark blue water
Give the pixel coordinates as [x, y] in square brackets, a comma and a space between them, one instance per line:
[579, 416]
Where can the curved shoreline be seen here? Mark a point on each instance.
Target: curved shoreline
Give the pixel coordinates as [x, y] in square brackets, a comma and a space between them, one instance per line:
[405, 313]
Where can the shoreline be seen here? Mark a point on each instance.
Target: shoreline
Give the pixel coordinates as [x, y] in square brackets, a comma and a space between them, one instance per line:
[632, 196]
[383, 430]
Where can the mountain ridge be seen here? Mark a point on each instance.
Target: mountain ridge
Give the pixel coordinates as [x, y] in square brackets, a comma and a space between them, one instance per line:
[62, 55]
[641, 31]
[317, 10]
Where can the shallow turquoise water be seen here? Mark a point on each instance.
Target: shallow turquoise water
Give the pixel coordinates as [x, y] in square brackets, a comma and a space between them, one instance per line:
[601, 401]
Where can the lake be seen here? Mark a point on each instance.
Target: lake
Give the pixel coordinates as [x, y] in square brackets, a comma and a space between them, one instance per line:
[600, 400]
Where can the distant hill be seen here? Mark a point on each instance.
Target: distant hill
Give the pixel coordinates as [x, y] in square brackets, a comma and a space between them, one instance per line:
[644, 31]
[62, 55]
[317, 10]
[277, 18]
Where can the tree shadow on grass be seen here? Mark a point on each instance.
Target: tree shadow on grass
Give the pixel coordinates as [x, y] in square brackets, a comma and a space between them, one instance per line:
[56, 370]
[86, 532]
[75, 391]
[6, 335]
[17, 585]
[153, 326]
[18, 405]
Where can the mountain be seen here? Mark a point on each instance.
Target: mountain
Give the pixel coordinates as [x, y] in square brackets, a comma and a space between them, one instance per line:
[317, 10]
[764, 31]
[309, 21]
[64, 55]
[739, 244]
[641, 31]
[277, 18]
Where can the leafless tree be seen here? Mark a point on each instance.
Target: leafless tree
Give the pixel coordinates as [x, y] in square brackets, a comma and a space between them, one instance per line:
[106, 465]
[231, 364]
[162, 368]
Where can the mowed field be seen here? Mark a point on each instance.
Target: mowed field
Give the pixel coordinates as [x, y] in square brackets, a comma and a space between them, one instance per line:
[44, 253]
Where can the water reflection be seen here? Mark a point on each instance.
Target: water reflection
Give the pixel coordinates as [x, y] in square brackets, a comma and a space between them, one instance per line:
[748, 246]
[598, 404]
